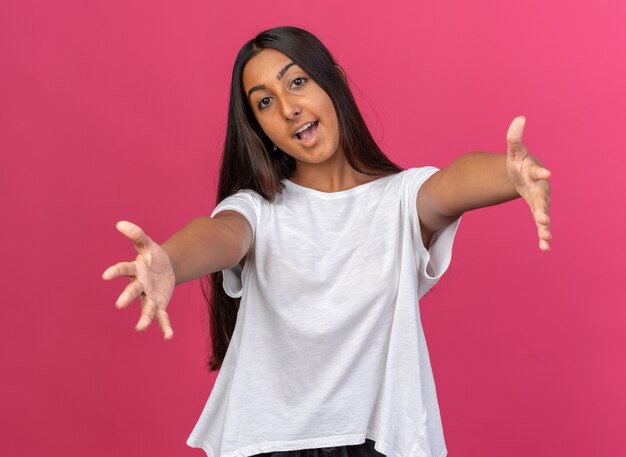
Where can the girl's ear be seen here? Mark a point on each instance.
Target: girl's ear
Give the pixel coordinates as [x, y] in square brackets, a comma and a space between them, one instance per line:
[341, 72]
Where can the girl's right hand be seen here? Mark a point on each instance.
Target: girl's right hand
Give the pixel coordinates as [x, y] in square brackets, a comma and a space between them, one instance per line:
[151, 278]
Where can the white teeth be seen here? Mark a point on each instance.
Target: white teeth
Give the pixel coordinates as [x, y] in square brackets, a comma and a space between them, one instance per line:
[304, 127]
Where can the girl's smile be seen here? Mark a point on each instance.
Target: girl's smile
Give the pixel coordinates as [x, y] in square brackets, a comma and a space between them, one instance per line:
[307, 134]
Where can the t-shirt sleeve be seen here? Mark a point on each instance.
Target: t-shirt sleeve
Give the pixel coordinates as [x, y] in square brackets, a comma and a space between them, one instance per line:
[246, 202]
[433, 262]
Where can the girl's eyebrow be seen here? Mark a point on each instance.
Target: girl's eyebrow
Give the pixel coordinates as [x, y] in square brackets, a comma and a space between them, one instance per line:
[279, 76]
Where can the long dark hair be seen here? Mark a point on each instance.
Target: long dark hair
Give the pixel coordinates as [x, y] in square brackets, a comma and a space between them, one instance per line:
[249, 161]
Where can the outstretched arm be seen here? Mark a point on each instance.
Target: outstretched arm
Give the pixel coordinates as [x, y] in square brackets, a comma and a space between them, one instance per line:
[478, 179]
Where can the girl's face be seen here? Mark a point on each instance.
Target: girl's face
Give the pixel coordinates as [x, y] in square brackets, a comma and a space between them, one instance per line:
[284, 99]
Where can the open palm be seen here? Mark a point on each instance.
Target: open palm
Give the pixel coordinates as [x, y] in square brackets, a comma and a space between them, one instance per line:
[531, 180]
[151, 278]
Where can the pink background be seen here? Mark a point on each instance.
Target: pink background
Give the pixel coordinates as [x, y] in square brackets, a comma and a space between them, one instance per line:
[117, 110]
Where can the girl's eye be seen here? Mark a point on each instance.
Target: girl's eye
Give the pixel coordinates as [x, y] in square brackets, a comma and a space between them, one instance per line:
[299, 79]
[262, 105]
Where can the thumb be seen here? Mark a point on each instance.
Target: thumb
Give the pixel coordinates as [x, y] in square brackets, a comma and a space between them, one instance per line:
[134, 233]
[514, 137]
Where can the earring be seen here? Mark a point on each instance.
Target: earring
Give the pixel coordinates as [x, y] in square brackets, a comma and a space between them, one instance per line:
[275, 147]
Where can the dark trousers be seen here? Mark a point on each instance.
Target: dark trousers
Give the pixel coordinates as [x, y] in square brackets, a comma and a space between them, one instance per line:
[356, 450]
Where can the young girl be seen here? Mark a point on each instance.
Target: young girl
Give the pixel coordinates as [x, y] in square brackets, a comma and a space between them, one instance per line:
[319, 250]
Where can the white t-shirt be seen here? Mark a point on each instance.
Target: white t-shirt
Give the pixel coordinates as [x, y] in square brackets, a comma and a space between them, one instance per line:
[328, 348]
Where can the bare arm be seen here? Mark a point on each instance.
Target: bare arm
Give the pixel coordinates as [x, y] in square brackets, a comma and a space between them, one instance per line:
[474, 180]
[206, 245]
[479, 179]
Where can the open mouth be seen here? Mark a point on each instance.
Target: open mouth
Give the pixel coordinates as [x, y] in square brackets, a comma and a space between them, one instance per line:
[305, 136]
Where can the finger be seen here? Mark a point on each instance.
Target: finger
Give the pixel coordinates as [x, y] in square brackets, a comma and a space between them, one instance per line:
[544, 233]
[541, 212]
[131, 292]
[514, 137]
[120, 269]
[540, 197]
[538, 173]
[134, 233]
[164, 322]
[542, 221]
[148, 310]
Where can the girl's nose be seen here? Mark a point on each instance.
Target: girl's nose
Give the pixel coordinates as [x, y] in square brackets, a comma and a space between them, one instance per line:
[291, 109]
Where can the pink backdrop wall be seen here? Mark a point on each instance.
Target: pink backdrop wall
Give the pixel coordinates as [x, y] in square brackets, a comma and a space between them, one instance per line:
[116, 110]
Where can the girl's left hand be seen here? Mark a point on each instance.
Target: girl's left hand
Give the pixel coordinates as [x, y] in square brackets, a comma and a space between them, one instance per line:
[531, 180]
